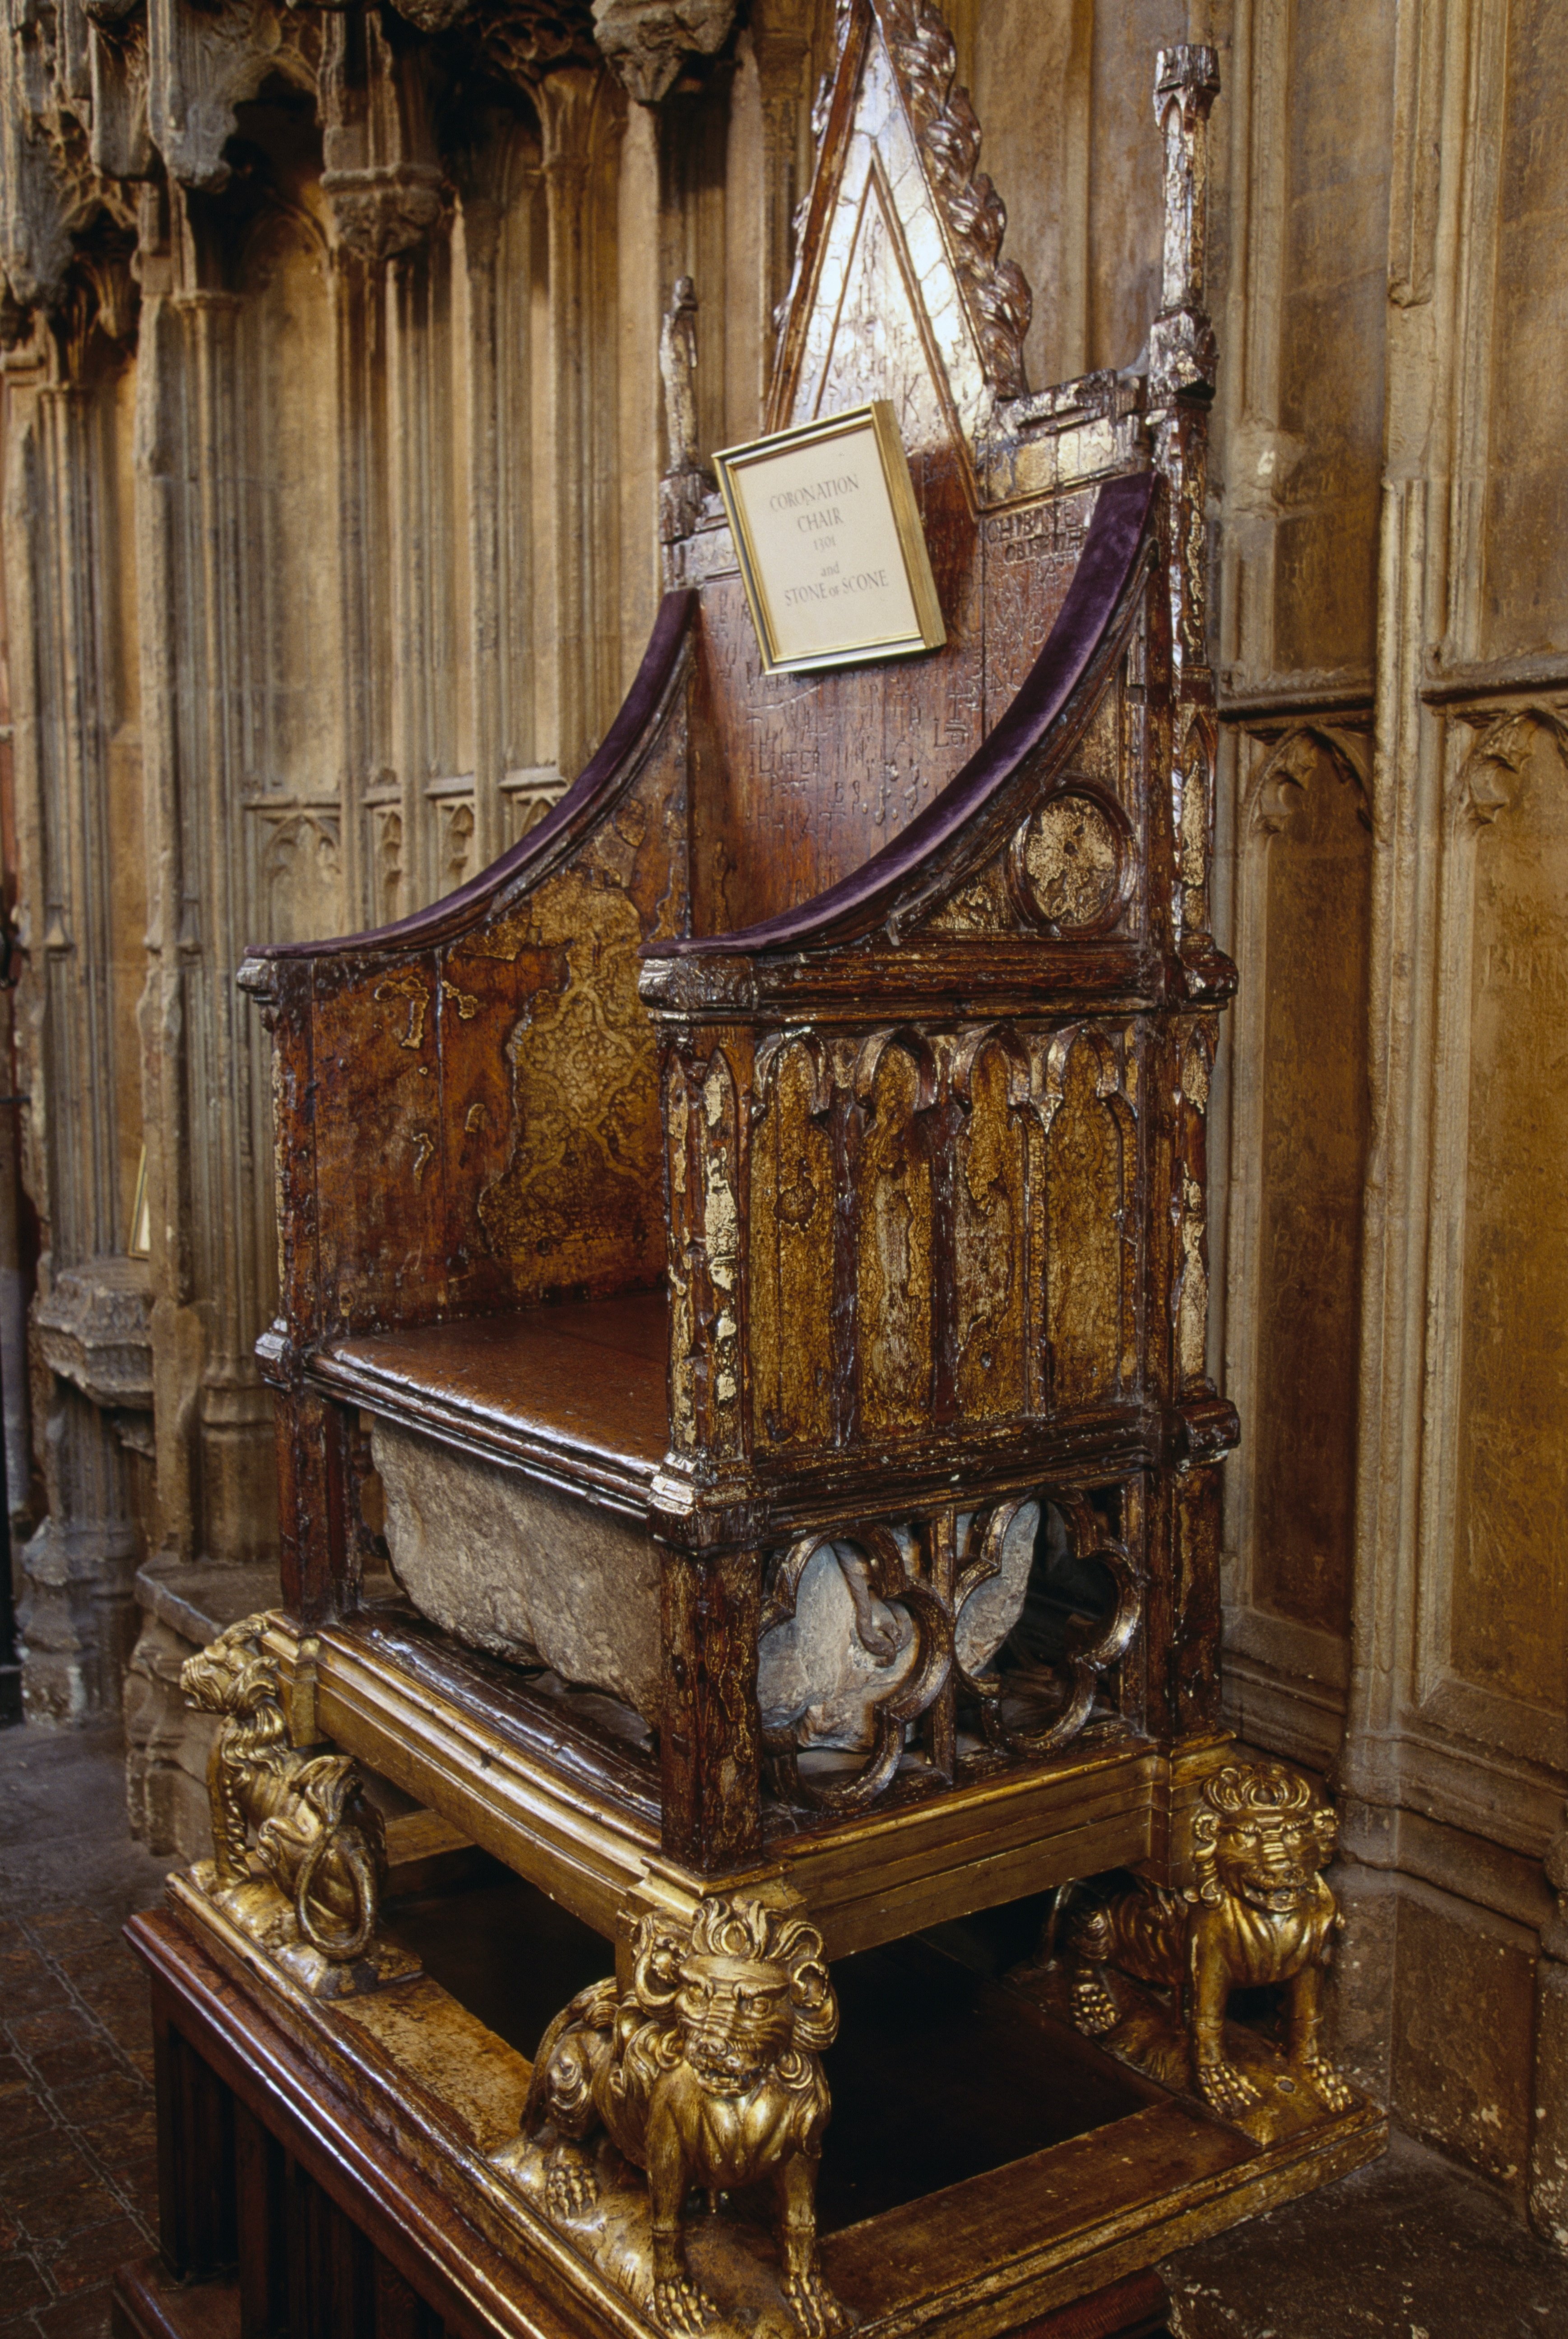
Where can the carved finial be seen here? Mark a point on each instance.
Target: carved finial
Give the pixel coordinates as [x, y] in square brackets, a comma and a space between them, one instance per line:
[1182, 354]
[687, 479]
[678, 371]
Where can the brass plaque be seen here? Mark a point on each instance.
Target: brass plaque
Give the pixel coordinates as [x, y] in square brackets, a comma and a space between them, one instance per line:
[830, 544]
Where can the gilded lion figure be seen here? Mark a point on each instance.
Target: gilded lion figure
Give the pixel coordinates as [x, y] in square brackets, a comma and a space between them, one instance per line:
[1261, 1914]
[317, 1838]
[705, 2073]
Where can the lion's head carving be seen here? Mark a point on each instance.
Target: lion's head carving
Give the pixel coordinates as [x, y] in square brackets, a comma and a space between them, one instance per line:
[234, 1676]
[316, 1835]
[746, 1988]
[704, 2072]
[1260, 1834]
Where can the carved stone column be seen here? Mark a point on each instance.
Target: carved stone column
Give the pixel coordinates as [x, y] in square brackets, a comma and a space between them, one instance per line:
[207, 1112]
[783, 77]
[75, 1611]
[574, 111]
[494, 183]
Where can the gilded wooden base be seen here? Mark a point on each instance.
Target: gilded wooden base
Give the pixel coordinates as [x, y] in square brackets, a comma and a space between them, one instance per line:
[258, 1913]
[581, 1819]
[439, 2099]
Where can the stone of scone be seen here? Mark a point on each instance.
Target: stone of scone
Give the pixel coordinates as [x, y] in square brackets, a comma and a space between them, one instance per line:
[511, 1567]
[994, 1607]
[815, 1675]
[818, 1676]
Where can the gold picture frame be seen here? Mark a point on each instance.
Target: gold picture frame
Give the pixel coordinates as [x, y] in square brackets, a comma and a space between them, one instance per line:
[829, 539]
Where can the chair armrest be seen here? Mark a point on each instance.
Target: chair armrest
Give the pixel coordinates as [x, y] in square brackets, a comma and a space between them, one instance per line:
[912, 1126]
[466, 1102]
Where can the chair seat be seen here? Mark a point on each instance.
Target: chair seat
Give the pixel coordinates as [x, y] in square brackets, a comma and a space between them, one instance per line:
[574, 1392]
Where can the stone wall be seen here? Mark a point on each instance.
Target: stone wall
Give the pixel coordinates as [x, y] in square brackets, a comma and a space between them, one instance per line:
[331, 443]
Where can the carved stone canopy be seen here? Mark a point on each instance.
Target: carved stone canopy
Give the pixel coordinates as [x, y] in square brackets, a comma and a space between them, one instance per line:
[85, 116]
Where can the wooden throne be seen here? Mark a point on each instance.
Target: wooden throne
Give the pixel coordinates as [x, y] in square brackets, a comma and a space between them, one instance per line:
[744, 1426]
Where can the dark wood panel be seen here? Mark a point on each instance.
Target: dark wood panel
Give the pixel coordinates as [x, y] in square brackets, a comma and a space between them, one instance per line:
[474, 2289]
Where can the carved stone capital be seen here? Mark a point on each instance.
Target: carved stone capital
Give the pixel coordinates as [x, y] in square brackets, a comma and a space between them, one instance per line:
[647, 42]
[524, 40]
[433, 16]
[95, 1329]
[385, 209]
[383, 180]
[566, 102]
[200, 66]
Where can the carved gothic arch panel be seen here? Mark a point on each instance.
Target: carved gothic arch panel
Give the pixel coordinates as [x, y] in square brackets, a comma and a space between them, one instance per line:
[1493, 1588]
[1084, 1245]
[899, 285]
[1276, 792]
[1301, 1135]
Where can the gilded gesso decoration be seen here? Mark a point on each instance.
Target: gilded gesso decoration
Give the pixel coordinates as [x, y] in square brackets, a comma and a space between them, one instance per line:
[1259, 1914]
[703, 2073]
[309, 1889]
[583, 1093]
[792, 1214]
[993, 1262]
[995, 1332]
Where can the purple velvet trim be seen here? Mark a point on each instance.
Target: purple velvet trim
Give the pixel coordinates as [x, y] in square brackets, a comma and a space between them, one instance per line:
[1105, 569]
[455, 911]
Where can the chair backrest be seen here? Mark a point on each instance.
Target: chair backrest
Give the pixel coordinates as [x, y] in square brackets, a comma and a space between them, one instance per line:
[900, 292]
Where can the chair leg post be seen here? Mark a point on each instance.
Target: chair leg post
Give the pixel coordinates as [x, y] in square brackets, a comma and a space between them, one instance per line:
[710, 1743]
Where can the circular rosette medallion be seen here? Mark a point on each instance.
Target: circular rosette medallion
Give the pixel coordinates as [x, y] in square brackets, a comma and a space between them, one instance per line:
[1069, 862]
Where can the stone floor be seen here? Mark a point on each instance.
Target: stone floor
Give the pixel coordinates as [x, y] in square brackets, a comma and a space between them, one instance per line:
[77, 2194]
[1408, 2249]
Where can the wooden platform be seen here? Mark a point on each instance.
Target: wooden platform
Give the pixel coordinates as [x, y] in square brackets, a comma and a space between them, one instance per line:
[285, 2123]
[147, 2304]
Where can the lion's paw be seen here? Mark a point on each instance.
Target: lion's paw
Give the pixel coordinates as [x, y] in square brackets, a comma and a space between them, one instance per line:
[1225, 2089]
[813, 2305]
[572, 2183]
[679, 2306]
[1093, 2007]
[1316, 2072]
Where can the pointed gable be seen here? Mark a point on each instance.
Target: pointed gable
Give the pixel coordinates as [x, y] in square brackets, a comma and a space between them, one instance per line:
[899, 292]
